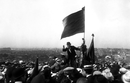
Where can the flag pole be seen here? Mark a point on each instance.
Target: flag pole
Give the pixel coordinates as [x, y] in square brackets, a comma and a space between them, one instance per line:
[93, 61]
[84, 21]
[92, 35]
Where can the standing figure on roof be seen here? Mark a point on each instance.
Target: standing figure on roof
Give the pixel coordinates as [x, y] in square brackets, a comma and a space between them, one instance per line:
[71, 54]
[83, 47]
[83, 52]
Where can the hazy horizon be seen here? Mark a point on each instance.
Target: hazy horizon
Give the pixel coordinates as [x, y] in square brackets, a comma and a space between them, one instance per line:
[38, 23]
[56, 48]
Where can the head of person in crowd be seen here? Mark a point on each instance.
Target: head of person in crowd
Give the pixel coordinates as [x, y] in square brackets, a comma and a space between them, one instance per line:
[88, 69]
[123, 70]
[126, 77]
[72, 73]
[47, 72]
[99, 79]
[127, 67]
[63, 59]
[65, 80]
[97, 73]
[107, 74]
[68, 44]
[56, 67]
[59, 76]
[19, 75]
[82, 80]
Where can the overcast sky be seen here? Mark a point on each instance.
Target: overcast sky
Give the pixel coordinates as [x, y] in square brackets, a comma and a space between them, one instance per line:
[38, 23]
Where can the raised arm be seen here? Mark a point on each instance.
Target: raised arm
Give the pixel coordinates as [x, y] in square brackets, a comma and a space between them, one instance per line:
[64, 49]
[76, 48]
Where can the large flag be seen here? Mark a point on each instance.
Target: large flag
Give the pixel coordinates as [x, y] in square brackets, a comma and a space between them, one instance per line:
[91, 51]
[73, 24]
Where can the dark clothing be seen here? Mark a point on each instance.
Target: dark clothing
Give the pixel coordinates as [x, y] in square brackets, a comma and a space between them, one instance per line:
[115, 70]
[83, 49]
[40, 78]
[71, 55]
[71, 51]
[84, 53]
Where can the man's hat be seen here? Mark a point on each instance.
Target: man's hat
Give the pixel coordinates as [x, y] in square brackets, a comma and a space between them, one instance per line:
[88, 69]
[97, 73]
[88, 66]
[68, 68]
[18, 81]
[126, 77]
[123, 70]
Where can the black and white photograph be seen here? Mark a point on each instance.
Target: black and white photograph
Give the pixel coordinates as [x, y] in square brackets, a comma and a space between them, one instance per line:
[64, 41]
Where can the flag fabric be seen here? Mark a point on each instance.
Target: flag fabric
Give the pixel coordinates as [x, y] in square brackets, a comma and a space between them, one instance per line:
[35, 71]
[73, 24]
[91, 52]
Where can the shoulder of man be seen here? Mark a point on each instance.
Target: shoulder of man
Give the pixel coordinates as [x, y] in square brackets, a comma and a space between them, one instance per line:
[73, 47]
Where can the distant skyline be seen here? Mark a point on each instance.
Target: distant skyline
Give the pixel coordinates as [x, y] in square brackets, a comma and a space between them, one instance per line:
[38, 23]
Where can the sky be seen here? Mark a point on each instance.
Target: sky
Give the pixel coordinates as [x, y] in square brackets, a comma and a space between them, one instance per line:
[38, 23]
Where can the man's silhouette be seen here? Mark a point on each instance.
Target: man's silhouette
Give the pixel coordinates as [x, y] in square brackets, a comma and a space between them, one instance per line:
[71, 54]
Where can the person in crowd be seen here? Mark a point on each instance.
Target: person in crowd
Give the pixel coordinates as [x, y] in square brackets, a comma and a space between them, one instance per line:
[99, 79]
[83, 52]
[19, 75]
[63, 60]
[71, 54]
[72, 74]
[44, 76]
[16, 75]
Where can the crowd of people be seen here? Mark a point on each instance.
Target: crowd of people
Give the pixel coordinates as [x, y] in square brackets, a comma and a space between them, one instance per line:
[64, 69]
[57, 71]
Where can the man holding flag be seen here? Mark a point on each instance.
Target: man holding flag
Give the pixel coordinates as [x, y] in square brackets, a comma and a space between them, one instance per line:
[74, 24]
